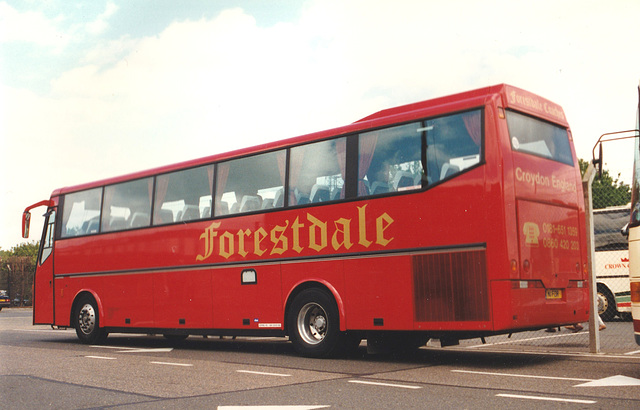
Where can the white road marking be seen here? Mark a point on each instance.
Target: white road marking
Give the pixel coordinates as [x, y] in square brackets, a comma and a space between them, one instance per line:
[174, 364]
[112, 347]
[101, 357]
[136, 349]
[524, 375]
[518, 396]
[618, 380]
[512, 341]
[263, 373]
[402, 386]
[560, 354]
[61, 331]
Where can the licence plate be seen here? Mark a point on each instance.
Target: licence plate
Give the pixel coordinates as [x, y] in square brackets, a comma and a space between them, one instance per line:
[553, 294]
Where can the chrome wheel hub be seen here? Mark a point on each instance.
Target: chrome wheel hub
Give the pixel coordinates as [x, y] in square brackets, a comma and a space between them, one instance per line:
[312, 323]
[87, 319]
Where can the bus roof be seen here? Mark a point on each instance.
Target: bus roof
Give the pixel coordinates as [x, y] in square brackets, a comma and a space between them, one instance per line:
[511, 97]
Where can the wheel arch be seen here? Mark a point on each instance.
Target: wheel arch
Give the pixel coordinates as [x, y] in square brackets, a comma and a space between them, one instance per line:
[80, 295]
[318, 284]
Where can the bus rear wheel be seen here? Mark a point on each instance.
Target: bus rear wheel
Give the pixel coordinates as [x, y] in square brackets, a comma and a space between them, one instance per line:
[314, 324]
[606, 304]
[86, 320]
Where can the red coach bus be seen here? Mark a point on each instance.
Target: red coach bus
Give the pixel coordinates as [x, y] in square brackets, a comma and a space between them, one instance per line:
[452, 218]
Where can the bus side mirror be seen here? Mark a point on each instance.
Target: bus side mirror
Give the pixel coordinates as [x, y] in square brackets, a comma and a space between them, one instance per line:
[625, 230]
[26, 222]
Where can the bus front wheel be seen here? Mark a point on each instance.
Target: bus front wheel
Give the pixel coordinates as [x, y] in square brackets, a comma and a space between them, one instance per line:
[86, 320]
[314, 324]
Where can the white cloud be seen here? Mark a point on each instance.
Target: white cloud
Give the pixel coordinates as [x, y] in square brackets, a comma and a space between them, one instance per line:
[100, 24]
[211, 85]
[31, 27]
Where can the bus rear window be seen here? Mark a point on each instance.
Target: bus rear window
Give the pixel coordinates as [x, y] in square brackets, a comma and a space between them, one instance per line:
[538, 137]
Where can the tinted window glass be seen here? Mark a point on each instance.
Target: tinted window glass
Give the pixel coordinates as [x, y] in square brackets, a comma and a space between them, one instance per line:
[539, 138]
[81, 213]
[251, 183]
[127, 205]
[183, 196]
[316, 172]
[47, 240]
[453, 144]
[389, 160]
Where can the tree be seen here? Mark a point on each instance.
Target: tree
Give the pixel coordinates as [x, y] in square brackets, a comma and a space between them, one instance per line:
[607, 191]
[18, 268]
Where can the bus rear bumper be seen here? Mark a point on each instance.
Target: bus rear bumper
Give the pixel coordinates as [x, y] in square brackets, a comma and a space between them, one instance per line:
[530, 307]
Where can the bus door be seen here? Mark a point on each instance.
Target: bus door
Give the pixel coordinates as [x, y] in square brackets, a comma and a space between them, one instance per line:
[43, 284]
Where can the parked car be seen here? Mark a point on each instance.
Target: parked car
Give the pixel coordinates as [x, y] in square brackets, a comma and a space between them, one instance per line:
[4, 300]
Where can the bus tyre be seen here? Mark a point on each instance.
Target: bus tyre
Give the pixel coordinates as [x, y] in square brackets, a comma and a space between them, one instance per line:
[86, 320]
[314, 324]
[606, 304]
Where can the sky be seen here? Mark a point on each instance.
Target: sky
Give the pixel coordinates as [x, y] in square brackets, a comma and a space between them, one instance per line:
[95, 89]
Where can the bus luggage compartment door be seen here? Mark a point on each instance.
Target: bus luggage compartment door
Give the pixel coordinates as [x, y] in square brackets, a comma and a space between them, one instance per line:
[549, 244]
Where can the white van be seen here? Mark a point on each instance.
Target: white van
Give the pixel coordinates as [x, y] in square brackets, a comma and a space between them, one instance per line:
[612, 261]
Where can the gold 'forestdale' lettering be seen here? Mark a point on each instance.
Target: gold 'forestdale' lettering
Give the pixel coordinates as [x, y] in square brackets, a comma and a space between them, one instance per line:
[312, 233]
[536, 104]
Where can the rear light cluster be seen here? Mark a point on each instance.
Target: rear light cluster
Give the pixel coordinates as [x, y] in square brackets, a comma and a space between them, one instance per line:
[526, 284]
[532, 284]
[635, 292]
[526, 266]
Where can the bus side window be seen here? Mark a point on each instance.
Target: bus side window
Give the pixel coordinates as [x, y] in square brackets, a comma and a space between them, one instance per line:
[81, 213]
[453, 144]
[127, 205]
[389, 160]
[183, 196]
[316, 172]
[250, 184]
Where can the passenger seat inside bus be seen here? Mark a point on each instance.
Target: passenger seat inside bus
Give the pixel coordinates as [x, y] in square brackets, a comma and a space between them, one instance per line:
[164, 216]
[224, 208]
[190, 212]
[267, 203]
[278, 199]
[92, 226]
[403, 179]
[448, 170]
[250, 203]
[379, 187]
[301, 197]
[116, 223]
[139, 219]
[320, 193]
